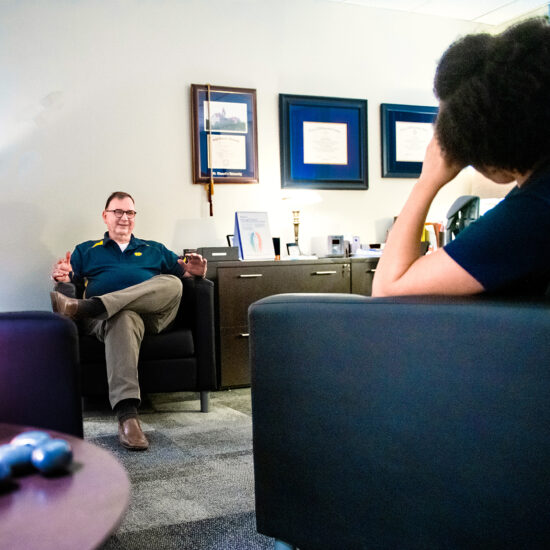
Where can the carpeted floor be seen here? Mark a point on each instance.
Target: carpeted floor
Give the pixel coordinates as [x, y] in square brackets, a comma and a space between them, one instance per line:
[193, 488]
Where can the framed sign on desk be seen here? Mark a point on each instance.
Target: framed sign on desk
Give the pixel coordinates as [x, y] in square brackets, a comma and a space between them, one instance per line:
[406, 132]
[323, 142]
[252, 236]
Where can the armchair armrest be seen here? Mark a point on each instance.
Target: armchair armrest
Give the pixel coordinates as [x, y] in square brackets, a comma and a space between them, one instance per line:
[68, 289]
[198, 313]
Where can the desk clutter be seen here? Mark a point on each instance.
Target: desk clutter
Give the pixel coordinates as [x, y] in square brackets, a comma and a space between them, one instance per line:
[34, 450]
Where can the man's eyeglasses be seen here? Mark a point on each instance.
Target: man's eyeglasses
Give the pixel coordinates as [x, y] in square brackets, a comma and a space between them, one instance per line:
[119, 213]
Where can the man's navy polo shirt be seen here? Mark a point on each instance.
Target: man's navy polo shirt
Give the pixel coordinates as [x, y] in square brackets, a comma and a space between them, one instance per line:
[103, 267]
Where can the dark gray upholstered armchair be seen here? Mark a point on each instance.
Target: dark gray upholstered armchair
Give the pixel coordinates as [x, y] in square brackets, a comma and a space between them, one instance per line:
[39, 375]
[401, 422]
[178, 359]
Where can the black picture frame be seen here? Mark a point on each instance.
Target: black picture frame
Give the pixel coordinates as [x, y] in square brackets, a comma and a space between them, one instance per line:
[323, 142]
[402, 151]
[237, 127]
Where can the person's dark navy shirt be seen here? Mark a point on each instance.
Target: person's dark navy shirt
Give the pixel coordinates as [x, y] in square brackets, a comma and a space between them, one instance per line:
[102, 267]
[508, 249]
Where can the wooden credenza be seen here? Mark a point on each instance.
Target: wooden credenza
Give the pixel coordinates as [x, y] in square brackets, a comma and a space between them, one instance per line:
[239, 284]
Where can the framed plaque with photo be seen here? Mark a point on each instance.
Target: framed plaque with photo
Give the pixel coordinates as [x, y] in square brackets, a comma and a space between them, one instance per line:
[224, 135]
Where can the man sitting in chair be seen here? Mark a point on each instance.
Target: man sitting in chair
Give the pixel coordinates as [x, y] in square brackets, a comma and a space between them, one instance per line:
[131, 286]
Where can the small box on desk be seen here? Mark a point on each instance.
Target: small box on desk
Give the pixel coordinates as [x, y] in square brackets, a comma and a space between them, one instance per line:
[219, 253]
[331, 246]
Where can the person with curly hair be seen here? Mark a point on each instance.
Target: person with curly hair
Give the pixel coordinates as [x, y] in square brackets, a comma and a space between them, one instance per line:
[494, 114]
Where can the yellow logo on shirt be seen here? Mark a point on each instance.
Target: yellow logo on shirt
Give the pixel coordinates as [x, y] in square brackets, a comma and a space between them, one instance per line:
[137, 253]
[97, 244]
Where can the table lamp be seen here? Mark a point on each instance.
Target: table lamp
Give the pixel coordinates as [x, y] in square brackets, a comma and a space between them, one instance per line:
[295, 199]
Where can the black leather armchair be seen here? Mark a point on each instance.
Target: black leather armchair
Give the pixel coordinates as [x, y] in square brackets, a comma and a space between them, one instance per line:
[178, 359]
[401, 422]
[39, 376]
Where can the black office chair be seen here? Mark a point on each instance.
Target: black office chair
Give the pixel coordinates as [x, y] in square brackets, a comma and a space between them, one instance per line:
[461, 214]
[39, 374]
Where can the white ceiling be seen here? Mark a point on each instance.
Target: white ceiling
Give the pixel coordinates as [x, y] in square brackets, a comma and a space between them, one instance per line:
[490, 12]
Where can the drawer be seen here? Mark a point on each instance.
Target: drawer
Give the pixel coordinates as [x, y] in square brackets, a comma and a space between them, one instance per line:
[241, 286]
[234, 357]
[362, 274]
[322, 278]
[238, 288]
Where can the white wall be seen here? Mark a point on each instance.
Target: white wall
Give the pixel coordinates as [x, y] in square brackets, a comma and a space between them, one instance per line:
[94, 97]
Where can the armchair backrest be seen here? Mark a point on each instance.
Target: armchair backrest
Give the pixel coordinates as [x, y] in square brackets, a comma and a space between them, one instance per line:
[401, 422]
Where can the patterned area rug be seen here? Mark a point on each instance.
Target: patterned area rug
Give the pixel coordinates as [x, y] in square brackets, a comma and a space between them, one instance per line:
[193, 488]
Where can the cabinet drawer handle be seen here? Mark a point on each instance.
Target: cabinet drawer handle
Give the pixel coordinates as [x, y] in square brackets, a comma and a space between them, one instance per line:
[244, 334]
[373, 270]
[324, 273]
[250, 275]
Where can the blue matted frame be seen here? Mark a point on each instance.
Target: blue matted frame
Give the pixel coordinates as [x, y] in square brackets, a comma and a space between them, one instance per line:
[294, 110]
[390, 114]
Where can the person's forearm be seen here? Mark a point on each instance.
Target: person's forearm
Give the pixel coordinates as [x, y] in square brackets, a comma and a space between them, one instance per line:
[393, 273]
[403, 244]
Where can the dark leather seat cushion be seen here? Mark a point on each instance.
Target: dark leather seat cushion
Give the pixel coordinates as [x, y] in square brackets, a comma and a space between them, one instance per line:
[172, 344]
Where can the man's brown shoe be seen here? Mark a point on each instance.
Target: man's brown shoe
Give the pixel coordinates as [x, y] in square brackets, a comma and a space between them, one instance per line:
[64, 305]
[131, 436]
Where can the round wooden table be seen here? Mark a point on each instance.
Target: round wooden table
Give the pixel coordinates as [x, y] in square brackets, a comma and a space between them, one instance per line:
[79, 509]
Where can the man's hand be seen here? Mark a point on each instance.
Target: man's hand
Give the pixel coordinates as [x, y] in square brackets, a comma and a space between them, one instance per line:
[194, 265]
[62, 269]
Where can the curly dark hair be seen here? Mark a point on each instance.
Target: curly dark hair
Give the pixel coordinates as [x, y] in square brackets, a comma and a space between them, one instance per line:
[118, 195]
[494, 93]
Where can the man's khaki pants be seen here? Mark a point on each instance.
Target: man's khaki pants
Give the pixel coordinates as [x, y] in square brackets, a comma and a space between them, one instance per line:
[147, 307]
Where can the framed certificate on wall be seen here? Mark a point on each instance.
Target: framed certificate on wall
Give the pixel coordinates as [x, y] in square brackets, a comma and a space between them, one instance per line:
[323, 142]
[406, 132]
